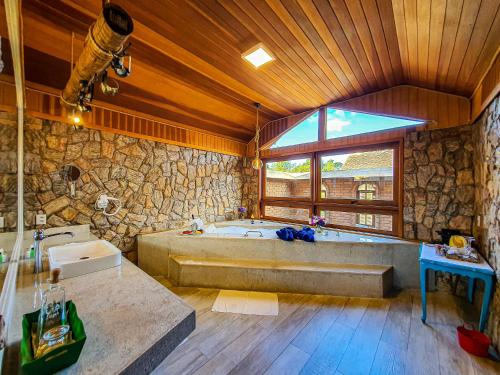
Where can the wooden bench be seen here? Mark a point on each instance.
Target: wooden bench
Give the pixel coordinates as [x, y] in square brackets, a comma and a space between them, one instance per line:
[287, 277]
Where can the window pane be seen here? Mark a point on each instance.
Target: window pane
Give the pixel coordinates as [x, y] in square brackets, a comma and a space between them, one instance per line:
[290, 178]
[287, 213]
[341, 123]
[361, 175]
[359, 220]
[304, 132]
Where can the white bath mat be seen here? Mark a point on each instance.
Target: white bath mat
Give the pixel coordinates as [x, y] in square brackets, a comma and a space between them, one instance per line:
[250, 303]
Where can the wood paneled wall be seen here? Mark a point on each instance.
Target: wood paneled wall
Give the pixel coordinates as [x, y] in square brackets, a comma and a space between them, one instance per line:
[439, 109]
[47, 106]
[436, 109]
[271, 129]
[487, 90]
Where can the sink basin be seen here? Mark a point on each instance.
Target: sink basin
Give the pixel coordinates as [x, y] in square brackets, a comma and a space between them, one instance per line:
[76, 259]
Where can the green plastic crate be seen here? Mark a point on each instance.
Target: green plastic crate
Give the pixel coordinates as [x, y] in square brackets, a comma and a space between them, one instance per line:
[56, 359]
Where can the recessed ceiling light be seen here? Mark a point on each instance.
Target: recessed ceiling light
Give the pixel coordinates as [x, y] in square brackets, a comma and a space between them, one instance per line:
[258, 55]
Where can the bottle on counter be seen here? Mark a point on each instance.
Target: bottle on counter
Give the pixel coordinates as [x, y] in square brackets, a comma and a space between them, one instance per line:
[53, 327]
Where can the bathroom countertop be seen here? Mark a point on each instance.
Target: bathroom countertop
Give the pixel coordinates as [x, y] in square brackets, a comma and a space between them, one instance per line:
[132, 322]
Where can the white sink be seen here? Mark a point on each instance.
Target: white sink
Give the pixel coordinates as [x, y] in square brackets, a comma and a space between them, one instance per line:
[76, 259]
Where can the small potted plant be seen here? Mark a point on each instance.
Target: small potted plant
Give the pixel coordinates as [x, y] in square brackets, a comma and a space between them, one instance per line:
[242, 212]
[319, 223]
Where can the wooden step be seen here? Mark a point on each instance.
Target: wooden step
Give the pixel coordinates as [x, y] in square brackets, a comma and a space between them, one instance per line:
[288, 277]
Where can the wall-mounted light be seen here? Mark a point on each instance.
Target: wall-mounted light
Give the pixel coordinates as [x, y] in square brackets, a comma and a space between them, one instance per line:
[76, 119]
[258, 55]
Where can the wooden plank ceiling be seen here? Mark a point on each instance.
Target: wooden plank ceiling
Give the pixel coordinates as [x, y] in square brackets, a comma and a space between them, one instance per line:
[188, 70]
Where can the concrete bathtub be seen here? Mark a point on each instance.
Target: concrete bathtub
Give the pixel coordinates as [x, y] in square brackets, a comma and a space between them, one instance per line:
[241, 255]
[234, 247]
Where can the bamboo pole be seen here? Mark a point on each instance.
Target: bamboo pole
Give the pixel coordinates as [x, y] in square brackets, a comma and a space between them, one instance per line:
[105, 38]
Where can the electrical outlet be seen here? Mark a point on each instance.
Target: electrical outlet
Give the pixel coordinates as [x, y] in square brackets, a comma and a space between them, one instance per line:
[2, 222]
[41, 219]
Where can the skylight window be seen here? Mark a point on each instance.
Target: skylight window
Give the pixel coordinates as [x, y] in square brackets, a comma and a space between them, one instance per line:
[304, 132]
[340, 123]
[258, 55]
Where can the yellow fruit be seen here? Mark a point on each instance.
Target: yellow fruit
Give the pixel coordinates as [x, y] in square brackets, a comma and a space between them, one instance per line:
[457, 241]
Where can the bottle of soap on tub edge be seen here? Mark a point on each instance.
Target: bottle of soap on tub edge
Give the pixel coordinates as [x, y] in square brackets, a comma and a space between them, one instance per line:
[53, 327]
[194, 226]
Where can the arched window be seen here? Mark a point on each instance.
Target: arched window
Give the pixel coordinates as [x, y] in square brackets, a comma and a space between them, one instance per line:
[365, 220]
[366, 191]
[324, 191]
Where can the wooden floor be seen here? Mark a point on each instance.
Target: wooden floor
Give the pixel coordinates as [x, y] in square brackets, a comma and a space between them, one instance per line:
[327, 335]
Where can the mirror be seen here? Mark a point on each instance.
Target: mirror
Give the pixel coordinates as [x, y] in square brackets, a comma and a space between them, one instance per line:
[8, 168]
[70, 174]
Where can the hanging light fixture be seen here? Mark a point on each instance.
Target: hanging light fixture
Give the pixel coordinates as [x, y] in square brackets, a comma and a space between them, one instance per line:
[256, 162]
[105, 47]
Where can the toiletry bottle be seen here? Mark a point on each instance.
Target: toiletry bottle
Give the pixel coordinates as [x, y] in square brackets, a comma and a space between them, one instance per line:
[52, 322]
[194, 224]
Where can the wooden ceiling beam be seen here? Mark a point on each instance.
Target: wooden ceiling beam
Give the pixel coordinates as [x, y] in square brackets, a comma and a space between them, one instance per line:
[342, 52]
[484, 26]
[148, 30]
[242, 116]
[331, 62]
[144, 57]
[286, 80]
[354, 11]
[276, 35]
[294, 71]
[188, 65]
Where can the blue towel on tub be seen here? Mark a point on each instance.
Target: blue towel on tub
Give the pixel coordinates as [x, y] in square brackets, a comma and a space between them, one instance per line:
[290, 234]
[306, 234]
[287, 234]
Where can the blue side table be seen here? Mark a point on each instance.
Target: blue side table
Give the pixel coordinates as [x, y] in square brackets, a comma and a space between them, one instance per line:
[429, 260]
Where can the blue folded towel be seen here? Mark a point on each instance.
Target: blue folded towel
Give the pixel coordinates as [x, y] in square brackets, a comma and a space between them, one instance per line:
[289, 234]
[306, 234]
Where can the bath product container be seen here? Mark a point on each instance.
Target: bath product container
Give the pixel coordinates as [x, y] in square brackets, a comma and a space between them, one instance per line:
[58, 358]
[53, 327]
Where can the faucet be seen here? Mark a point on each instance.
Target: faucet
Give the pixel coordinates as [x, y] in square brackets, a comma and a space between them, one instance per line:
[39, 235]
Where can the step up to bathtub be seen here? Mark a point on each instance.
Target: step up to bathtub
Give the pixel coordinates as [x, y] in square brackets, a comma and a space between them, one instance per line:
[354, 280]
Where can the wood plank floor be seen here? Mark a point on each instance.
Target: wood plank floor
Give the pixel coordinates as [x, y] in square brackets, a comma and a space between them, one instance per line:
[327, 335]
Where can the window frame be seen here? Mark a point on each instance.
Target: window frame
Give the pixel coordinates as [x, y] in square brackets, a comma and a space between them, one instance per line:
[286, 204]
[356, 201]
[315, 203]
[288, 199]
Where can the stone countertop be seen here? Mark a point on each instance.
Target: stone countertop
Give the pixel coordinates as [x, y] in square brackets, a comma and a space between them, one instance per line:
[132, 322]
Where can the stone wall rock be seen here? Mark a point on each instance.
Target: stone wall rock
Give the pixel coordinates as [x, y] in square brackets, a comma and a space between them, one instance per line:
[250, 193]
[486, 140]
[438, 182]
[160, 185]
[8, 170]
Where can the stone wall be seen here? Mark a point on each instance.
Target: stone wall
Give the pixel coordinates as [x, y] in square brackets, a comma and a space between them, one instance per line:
[486, 140]
[160, 185]
[8, 170]
[438, 182]
[250, 193]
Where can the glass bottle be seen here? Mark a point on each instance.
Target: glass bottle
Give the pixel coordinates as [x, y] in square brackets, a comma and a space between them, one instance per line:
[52, 321]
